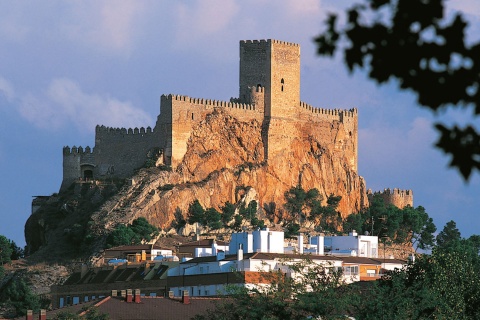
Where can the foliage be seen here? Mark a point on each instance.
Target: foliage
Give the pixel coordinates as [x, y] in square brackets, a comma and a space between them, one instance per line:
[17, 294]
[299, 203]
[179, 221]
[407, 225]
[449, 235]
[443, 285]
[316, 291]
[5, 250]
[94, 314]
[152, 157]
[143, 229]
[17, 252]
[196, 213]
[327, 218]
[237, 225]
[228, 211]
[249, 213]
[213, 219]
[291, 230]
[437, 63]
[139, 231]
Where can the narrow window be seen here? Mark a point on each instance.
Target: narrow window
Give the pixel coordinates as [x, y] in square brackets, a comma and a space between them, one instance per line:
[259, 86]
[282, 82]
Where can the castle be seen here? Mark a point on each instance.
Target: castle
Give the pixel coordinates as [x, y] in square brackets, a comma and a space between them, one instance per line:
[269, 92]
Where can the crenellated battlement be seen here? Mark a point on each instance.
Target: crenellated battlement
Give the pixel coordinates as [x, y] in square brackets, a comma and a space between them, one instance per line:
[398, 197]
[124, 131]
[209, 102]
[270, 40]
[331, 112]
[269, 94]
[394, 191]
[77, 150]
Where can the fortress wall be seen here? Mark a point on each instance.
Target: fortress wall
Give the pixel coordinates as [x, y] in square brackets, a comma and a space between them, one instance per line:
[187, 112]
[345, 122]
[285, 79]
[119, 151]
[397, 197]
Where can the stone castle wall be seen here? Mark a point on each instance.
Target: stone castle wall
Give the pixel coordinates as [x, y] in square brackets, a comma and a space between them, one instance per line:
[396, 197]
[269, 93]
[179, 114]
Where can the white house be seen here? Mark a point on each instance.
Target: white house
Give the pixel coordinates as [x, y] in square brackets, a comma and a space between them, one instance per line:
[351, 245]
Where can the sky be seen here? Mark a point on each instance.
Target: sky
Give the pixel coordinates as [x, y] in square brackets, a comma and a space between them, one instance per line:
[66, 66]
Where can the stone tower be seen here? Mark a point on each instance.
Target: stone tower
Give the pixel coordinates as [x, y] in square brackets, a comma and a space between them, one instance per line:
[273, 66]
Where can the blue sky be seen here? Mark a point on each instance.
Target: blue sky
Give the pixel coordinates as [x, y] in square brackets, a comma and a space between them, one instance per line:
[68, 66]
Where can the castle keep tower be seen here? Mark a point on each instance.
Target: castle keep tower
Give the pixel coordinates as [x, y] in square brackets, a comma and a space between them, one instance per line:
[274, 65]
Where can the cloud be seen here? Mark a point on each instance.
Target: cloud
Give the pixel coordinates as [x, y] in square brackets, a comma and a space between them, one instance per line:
[6, 89]
[105, 24]
[395, 155]
[64, 103]
[202, 18]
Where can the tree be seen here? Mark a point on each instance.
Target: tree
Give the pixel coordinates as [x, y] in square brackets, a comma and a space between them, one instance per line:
[17, 252]
[196, 213]
[450, 235]
[436, 62]
[179, 221]
[5, 250]
[443, 285]
[143, 230]
[299, 203]
[316, 291]
[325, 218]
[139, 231]
[213, 219]
[228, 211]
[18, 295]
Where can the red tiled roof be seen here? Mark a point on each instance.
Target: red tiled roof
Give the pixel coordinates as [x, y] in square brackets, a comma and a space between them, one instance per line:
[155, 308]
[149, 308]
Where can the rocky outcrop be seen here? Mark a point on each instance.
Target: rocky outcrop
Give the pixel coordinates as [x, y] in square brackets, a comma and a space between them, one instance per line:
[224, 156]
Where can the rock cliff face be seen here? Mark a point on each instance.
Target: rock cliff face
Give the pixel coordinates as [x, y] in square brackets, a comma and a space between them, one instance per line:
[225, 155]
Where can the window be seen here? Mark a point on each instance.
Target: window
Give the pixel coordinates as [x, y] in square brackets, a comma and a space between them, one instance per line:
[350, 270]
[282, 82]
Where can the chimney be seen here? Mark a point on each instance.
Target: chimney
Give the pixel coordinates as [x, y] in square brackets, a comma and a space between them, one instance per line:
[170, 294]
[185, 297]
[214, 248]
[29, 315]
[42, 315]
[300, 243]
[129, 295]
[114, 293]
[320, 245]
[123, 293]
[240, 252]
[137, 295]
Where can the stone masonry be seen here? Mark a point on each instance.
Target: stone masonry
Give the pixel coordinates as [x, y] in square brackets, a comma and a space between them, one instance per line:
[269, 93]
